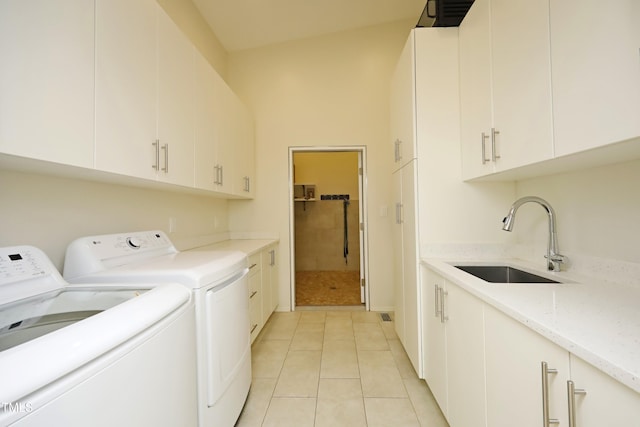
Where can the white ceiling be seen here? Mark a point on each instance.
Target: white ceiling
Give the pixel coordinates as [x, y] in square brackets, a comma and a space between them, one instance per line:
[245, 24]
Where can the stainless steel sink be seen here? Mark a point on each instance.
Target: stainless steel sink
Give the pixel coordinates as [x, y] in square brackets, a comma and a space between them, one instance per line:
[503, 274]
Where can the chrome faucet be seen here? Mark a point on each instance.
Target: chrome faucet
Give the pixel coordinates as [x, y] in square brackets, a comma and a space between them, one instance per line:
[554, 259]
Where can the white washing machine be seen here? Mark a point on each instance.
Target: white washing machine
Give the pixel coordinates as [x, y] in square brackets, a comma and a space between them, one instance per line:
[85, 355]
[219, 283]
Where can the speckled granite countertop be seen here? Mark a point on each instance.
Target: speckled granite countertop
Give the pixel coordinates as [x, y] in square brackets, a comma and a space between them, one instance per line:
[595, 320]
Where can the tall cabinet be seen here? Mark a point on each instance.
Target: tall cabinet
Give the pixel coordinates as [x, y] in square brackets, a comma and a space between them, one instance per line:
[423, 86]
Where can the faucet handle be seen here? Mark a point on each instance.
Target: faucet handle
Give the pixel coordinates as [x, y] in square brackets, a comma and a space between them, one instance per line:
[554, 260]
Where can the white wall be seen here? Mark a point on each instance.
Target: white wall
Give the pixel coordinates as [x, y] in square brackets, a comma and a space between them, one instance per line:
[598, 212]
[49, 212]
[327, 91]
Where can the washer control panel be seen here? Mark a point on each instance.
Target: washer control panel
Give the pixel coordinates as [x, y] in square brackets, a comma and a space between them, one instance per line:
[91, 254]
[22, 262]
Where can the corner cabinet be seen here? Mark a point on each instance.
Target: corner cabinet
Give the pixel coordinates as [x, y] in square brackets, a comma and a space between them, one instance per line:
[46, 80]
[505, 86]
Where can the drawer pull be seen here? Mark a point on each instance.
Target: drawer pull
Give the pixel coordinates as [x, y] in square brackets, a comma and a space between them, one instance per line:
[571, 400]
[253, 294]
[253, 328]
[252, 265]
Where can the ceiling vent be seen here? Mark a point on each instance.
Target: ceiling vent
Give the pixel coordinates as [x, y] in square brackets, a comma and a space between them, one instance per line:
[444, 13]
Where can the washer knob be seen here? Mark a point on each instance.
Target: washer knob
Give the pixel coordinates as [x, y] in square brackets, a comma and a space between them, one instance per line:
[134, 242]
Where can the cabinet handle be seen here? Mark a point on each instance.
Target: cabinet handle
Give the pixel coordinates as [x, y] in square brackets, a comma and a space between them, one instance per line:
[165, 147]
[218, 180]
[437, 301]
[156, 165]
[484, 150]
[398, 213]
[571, 400]
[494, 156]
[253, 294]
[246, 184]
[252, 266]
[546, 421]
[221, 175]
[272, 252]
[253, 328]
[397, 153]
[443, 316]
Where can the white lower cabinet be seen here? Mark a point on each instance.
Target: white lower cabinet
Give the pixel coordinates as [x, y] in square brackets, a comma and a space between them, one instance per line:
[263, 287]
[514, 357]
[269, 282]
[484, 368]
[517, 383]
[605, 402]
[255, 294]
[454, 350]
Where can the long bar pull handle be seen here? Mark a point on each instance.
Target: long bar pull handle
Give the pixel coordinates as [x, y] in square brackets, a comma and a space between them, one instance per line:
[494, 156]
[437, 301]
[484, 150]
[165, 147]
[443, 315]
[156, 165]
[253, 328]
[546, 421]
[253, 294]
[571, 399]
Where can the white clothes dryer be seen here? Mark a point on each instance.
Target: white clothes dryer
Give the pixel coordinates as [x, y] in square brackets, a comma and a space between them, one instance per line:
[85, 355]
[218, 280]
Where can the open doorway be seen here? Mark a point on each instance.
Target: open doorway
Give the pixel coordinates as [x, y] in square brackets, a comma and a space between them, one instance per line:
[328, 227]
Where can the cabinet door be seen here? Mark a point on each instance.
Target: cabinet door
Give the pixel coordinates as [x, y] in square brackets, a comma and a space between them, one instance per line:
[226, 137]
[606, 402]
[402, 120]
[465, 358]
[435, 352]
[475, 91]
[244, 164]
[206, 123]
[126, 87]
[514, 376]
[176, 73]
[47, 80]
[411, 306]
[521, 78]
[596, 73]
[398, 264]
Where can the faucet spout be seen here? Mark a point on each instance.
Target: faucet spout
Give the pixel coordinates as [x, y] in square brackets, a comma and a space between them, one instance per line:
[554, 259]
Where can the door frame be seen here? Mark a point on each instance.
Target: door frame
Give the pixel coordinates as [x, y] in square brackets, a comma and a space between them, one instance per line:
[364, 241]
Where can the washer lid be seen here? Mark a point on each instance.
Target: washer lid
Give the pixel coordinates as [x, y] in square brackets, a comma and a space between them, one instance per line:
[32, 365]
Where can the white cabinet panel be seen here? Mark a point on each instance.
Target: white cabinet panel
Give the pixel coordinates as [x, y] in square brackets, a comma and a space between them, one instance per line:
[505, 86]
[175, 103]
[596, 73]
[206, 123]
[434, 339]
[47, 80]
[454, 351]
[402, 119]
[606, 401]
[126, 87]
[475, 91]
[514, 354]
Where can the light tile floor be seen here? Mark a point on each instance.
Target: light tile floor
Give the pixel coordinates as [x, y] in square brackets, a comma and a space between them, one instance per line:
[335, 368]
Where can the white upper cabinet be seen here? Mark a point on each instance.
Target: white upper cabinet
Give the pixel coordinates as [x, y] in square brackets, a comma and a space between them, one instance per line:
[206, 123]
[47, 79]
[475, 91]
[144, 93]
[595, 57]
[505, 86]
[176, 74]
[126, 87]
[402, 119]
